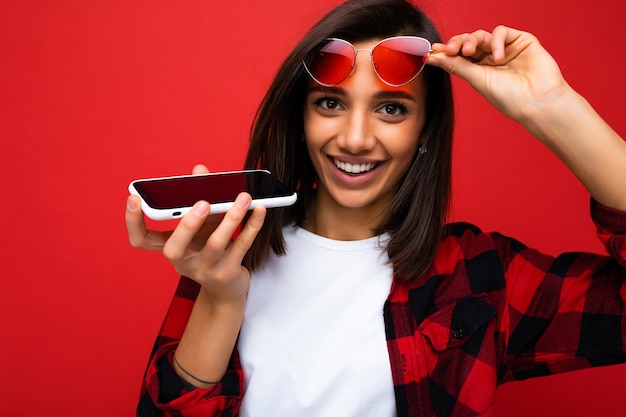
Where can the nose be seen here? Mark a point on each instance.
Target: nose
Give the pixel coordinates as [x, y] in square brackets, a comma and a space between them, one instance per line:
[356, 136]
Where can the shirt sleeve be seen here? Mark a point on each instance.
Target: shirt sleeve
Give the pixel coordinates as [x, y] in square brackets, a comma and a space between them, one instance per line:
[163, 393]
[611, 229]
[566, 312]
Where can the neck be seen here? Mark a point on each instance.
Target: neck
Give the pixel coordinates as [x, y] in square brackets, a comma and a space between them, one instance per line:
[329, 219]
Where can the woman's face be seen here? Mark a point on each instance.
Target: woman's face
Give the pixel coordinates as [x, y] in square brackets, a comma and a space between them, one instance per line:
[362, 136]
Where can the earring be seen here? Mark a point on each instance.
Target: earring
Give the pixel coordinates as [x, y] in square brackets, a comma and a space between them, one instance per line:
[422, 149]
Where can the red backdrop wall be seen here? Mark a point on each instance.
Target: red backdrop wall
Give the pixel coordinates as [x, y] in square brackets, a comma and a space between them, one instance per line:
[97, 93]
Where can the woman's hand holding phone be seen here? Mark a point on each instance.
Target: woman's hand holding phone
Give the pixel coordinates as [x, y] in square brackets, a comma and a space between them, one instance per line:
[200, 246]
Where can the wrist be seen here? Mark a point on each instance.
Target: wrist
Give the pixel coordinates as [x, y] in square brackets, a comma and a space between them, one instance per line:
[221, 305]
[554, 111]
[191, 381]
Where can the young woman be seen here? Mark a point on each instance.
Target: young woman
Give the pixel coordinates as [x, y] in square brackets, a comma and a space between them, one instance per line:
[360, 300]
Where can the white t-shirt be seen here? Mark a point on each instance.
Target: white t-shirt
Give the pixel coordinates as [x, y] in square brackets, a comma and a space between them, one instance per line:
[312, 341]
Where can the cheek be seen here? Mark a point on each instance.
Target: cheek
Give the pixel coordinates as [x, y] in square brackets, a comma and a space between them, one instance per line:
[318, 131]
[311, 126]
[314, 140]
[403, 140]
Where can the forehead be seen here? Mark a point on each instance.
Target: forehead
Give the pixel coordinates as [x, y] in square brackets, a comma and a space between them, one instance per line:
[367, 44]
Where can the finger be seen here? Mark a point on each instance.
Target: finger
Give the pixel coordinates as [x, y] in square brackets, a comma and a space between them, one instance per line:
[477, 46]
[176, 246]
[463, 51]
[200, 169]
[135, 224]
[453, 46]
[138, 235]
[221, 238]
[505, 41]
[456, 65]
[499, 40]
[248, 234]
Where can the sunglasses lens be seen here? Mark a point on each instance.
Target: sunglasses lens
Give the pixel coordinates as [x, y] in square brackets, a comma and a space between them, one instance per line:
[399, 60]
[332, 62]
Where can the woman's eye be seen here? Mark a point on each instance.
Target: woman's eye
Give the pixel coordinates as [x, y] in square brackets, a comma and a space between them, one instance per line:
[327, 103]
[393, 109]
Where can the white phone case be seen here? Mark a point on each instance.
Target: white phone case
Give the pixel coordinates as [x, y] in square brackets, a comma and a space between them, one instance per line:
[177, 212]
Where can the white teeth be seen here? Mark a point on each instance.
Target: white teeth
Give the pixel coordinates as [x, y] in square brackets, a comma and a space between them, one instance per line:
[354, 168]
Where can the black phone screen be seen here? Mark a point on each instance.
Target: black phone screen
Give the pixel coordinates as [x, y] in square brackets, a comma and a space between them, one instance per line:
[177, 192]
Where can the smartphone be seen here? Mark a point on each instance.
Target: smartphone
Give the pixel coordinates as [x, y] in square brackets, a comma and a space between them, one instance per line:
[171, 197]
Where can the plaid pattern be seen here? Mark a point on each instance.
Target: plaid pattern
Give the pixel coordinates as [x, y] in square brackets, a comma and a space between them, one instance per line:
[490, 310]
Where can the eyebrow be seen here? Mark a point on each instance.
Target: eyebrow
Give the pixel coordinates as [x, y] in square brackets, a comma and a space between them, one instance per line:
[395, 95]
[380, 95]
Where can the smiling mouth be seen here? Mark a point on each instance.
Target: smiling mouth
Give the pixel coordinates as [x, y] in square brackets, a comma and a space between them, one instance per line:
[355, 169]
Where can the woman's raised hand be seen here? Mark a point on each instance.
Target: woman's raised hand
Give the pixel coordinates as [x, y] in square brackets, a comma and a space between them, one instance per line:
[507, 66]
[518, 76]
[201, 246]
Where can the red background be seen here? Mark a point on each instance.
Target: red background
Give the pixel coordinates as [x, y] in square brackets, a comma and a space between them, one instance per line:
[96, 93]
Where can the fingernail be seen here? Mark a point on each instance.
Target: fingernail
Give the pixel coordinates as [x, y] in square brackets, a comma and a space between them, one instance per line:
[201, 208]
[259, 214]
[131, 204]
[242, 201]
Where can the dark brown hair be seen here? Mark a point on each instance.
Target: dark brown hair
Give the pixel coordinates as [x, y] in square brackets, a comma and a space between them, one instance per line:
[418, 211]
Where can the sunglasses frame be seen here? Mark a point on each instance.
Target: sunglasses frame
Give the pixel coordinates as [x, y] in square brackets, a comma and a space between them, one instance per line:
[371, 52]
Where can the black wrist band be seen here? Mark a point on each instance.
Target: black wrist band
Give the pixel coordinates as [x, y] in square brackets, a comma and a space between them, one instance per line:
[190, 375]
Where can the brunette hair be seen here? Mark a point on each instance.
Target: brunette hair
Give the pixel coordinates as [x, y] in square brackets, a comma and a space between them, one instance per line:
[419, 208]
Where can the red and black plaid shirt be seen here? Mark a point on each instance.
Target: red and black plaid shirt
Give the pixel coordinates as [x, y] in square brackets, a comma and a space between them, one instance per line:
[490, 310]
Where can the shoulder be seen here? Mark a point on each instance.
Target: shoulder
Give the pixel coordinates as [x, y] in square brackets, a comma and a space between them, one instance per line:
[473, 241]
[468, 262]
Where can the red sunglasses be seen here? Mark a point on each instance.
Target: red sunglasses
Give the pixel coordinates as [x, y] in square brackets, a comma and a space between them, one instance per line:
[396, 61]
